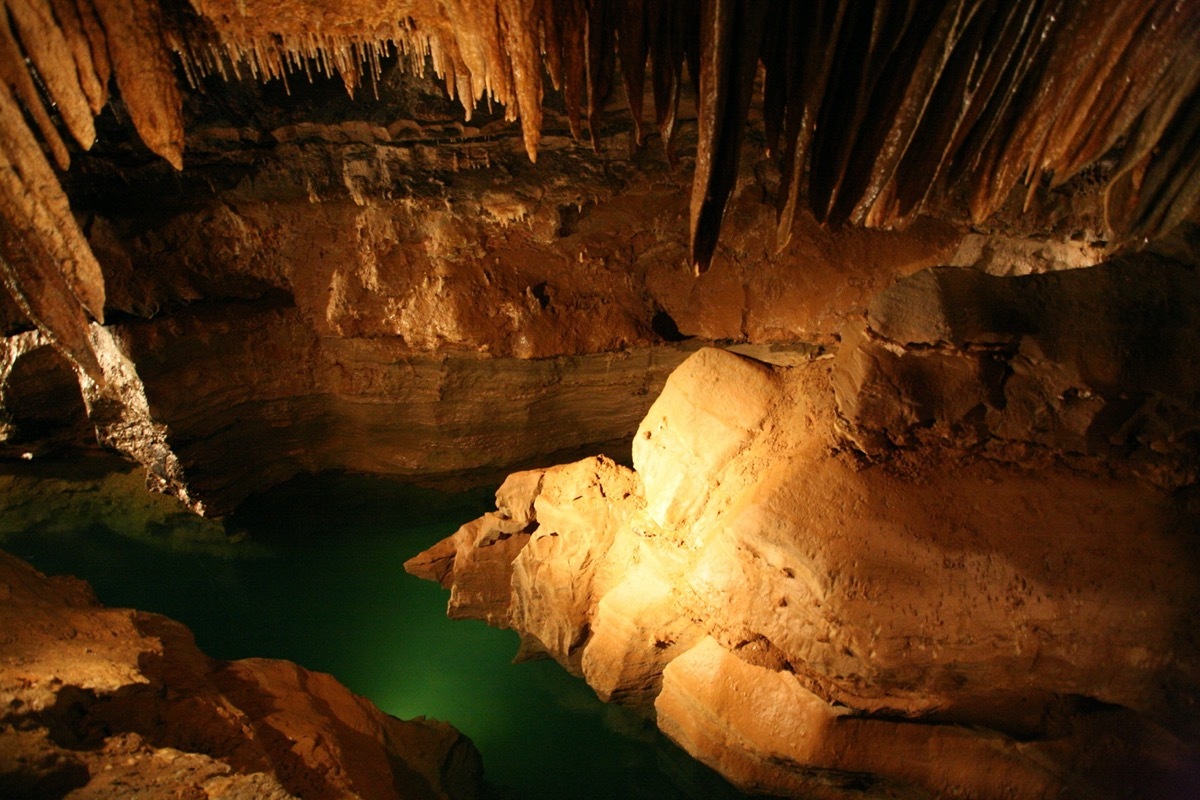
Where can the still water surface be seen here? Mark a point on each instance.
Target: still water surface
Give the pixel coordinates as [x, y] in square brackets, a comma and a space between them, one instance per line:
[316, 577]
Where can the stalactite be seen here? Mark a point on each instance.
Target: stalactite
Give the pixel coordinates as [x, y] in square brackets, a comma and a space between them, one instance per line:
[47, 48]
[808, 67]
[873, 109]
[15, 75]
[67, 15]
[601, 62]
[1151, 77]
[1164, 187]
[730, 33]
[773, 56]
[631, 39]
[1083, 127]
[570, 19]
[46, 263]
[471, 29]
[98, 44]
[550, 37]
[913, 91]
[145, 74]
[519, 22]
[962, 98]
[1018, 138]
[666, 32]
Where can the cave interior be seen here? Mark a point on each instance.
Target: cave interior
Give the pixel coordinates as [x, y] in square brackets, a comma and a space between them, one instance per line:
[834, 361]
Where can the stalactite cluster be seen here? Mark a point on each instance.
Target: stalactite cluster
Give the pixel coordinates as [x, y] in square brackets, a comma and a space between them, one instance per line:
[874, 109]
[56, 60]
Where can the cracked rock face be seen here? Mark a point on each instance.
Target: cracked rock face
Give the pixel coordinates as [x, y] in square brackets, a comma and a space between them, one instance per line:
[1094, 365]
[922, 615]
[99, 702]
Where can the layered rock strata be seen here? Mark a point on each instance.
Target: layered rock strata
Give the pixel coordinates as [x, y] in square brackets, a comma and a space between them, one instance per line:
[845, 112]
[101, 702]
[335, 266]
[818, 613]
[290, 304]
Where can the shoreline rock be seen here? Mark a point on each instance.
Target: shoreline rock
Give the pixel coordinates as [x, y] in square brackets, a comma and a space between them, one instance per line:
[810, 623]
[101, 700]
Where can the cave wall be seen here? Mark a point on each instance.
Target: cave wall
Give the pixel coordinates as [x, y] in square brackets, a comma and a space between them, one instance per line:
[902, 559]
[371, 180]
[355, 289]
[425, 301]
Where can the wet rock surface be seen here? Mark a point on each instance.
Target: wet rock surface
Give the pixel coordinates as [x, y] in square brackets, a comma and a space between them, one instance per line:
[101, 702]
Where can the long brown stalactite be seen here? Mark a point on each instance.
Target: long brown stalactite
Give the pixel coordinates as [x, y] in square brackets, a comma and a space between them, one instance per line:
[875, 111]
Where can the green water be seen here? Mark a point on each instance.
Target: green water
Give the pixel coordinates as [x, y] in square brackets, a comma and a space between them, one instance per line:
[316, 577]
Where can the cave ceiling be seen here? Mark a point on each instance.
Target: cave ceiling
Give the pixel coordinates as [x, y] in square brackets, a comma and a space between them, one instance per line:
[873, 112]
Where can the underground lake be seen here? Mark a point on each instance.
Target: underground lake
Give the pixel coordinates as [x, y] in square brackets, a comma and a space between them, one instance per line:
[312, 572]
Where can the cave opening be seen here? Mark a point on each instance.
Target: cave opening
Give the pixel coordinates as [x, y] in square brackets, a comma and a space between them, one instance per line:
[44, 403]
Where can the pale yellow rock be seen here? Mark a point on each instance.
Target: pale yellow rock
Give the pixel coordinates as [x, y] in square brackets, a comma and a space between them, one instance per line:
[580, 549]
[636, 631]
[764, 731]
[516, 496]
[709, 410]
[488, 547]
[476, 565]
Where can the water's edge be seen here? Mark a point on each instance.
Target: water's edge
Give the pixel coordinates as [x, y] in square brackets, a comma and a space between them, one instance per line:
[314, 575]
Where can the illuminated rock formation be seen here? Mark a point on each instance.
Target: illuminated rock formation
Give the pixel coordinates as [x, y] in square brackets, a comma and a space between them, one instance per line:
[948, 611]
[99, 702]
[850, 100]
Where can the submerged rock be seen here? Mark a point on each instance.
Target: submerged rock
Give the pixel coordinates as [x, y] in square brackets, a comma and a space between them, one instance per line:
[99, 702]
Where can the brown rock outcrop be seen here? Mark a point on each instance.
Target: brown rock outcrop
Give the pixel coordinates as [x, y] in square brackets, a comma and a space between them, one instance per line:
[811, 623]
[100, 701]
[1091, 364]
